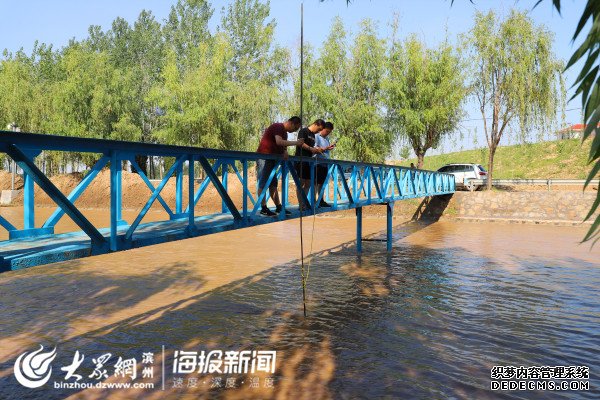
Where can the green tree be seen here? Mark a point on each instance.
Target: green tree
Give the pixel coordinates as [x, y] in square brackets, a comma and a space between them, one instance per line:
[343, 84]
[23, 88]
[425, 92]
[186, 28]
[360, 126]
[197, 105]
[250, 35]
[314, 105]
[92, 99]
[258, 70]
[147, 47]
[327, 88]
[515, 76]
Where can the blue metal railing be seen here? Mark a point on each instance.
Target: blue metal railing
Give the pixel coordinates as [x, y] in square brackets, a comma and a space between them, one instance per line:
[347, 185]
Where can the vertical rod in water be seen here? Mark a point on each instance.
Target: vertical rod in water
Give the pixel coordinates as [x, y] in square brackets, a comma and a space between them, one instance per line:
[390, 214]
[359, 230]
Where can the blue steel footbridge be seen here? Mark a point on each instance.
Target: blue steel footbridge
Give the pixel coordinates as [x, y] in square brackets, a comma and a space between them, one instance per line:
[348, 185]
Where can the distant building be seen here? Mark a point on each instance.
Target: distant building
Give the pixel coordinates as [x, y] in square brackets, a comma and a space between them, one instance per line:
[573, 132]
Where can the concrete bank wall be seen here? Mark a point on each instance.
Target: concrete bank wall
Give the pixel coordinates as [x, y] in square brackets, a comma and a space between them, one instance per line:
[570, 207]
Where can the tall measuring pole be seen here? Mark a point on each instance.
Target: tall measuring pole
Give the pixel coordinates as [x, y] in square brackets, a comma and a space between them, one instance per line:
[302, 63]
[301, 124]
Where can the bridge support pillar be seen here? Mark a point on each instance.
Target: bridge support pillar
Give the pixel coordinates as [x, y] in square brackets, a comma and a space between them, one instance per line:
[179, 190]
[28, 203]
[390, 214]
[359, 229]
[224, 173]
[191, 190]
[116, 199]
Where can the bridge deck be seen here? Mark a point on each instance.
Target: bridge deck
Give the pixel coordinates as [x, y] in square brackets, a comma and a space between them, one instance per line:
[347, 185]
[28, 252]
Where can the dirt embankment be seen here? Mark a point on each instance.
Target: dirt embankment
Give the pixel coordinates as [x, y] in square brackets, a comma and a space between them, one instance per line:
[6, 181]
[136, 194]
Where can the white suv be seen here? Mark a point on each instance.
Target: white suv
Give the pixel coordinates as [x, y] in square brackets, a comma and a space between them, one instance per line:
[465, 172]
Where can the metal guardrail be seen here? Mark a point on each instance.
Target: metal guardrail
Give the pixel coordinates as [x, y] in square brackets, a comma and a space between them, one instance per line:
[471, 184]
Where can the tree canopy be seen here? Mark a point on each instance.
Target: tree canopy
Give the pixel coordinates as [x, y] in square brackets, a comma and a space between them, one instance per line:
[178, 82]
[425, 92]
[514, 76]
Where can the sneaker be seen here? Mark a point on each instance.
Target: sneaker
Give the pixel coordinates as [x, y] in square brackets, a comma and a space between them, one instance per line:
[266, 212]
[324, 204]
[278, 210]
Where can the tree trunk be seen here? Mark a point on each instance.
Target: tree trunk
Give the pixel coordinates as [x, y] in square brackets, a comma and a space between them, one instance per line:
[420, 157]
[152, 170]
[141, 160]
[491, 166]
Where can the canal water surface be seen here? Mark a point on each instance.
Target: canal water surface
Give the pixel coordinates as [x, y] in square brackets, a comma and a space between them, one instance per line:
[427, 321]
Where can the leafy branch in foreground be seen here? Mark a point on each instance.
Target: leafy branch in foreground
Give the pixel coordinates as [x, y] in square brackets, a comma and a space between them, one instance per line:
[588, 82]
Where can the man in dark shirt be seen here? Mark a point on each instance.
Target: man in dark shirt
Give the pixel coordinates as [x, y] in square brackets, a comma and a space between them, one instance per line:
[307, 149]
[274, 141]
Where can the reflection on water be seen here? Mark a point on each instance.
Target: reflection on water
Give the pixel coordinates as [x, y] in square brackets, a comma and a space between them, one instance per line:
[427, 321]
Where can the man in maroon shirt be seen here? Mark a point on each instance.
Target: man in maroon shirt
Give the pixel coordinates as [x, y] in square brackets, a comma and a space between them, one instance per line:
[274, 141]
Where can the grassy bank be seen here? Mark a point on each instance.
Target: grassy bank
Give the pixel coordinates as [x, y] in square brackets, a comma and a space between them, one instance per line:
[556, 159]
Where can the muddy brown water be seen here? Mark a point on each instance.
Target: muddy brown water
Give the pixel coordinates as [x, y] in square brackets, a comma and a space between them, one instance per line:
[427, 321]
